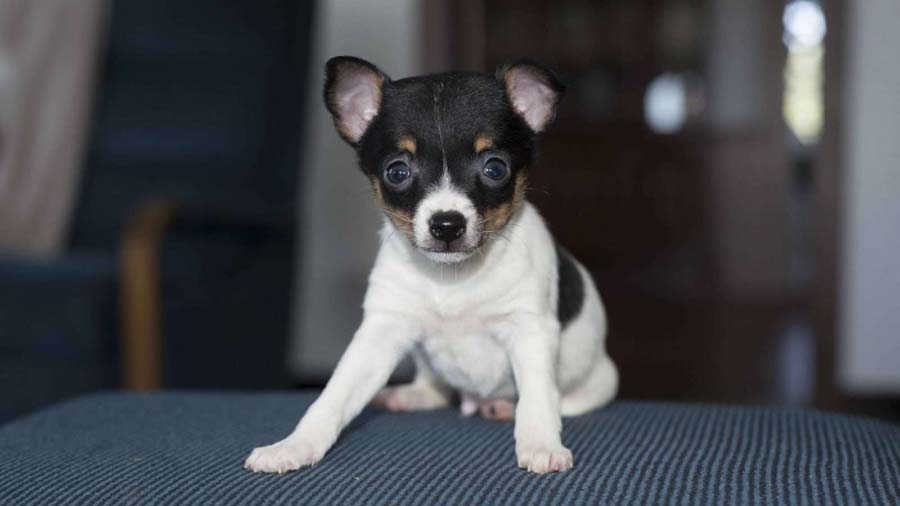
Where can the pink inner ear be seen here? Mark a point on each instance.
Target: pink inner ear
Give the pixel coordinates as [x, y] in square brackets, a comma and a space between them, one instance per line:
[532, 99]
[357, 97]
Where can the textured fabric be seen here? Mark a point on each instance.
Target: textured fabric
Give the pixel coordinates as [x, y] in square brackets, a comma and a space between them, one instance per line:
[189, 449]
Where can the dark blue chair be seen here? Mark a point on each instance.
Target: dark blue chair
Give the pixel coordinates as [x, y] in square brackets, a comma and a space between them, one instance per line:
[190, 181]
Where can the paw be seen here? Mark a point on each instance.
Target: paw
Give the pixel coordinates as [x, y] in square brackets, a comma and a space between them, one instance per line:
[498, 410]
[542, 459]
[283, 456]
[411, 397]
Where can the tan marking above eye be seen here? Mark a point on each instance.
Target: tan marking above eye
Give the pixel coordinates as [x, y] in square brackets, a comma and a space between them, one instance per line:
[482, 142]
[407, 143]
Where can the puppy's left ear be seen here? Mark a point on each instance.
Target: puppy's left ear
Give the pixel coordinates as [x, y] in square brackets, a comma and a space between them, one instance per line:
[353, 95]
[533, 91]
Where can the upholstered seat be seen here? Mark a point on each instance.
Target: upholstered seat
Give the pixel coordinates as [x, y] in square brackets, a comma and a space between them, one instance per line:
[188, 448]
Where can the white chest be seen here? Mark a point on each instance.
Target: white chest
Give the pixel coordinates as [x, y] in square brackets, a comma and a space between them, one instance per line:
[469, 359]
[458, 311]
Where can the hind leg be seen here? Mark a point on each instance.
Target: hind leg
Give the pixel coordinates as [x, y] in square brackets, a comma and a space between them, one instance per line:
[424, 393]
[597, 389]
[415, 396]
[498, 410]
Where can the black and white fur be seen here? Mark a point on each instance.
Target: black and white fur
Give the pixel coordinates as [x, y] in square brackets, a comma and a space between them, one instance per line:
[495, 310]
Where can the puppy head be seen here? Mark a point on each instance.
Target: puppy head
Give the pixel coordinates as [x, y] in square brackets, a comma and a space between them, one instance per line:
[447, 153]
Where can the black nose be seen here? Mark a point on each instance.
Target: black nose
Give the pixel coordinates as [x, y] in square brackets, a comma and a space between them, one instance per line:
[447, 225]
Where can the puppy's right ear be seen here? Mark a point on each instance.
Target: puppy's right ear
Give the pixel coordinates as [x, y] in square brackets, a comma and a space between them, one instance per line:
[533, 91]
[353, 95]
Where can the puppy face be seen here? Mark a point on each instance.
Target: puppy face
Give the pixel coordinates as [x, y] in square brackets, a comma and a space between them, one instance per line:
[446, 154]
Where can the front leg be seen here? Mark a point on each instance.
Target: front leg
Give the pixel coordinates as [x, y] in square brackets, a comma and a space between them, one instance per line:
[532, 344]
[366, 365]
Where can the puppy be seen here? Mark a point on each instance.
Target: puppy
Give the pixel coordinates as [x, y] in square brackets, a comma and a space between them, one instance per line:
[468, 278]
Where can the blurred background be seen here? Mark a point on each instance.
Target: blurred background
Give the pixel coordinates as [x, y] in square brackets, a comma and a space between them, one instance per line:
[177, 212]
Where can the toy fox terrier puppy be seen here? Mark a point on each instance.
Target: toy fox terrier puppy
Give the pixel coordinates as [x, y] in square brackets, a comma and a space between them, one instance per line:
[468, 279]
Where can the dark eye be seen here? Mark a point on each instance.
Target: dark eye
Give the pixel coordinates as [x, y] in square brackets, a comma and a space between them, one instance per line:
[495, 169]
[397, 173]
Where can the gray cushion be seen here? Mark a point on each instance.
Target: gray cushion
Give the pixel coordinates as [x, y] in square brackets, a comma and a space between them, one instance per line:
[188, 448]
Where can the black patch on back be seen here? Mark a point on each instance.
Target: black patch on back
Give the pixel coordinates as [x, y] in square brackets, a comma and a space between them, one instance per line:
[571, 287]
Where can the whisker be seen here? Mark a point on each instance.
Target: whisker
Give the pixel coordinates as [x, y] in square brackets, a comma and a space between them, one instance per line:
[502, 235]
[398, 216]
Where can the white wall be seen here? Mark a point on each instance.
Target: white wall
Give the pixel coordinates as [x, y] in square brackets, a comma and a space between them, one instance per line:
[869, 353]
[338, 219]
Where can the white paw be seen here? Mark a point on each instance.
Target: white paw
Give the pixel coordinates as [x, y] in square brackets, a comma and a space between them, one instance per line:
[283, 456]
[413, 397]
[542, 459]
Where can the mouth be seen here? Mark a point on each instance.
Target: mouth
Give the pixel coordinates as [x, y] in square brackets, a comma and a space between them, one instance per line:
[447, 255]
[445, 248]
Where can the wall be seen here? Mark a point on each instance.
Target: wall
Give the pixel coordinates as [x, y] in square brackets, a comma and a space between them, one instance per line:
[338, 219]
[869, 339]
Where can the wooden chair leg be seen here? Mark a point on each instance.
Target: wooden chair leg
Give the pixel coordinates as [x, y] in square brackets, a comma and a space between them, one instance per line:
[141, 313]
